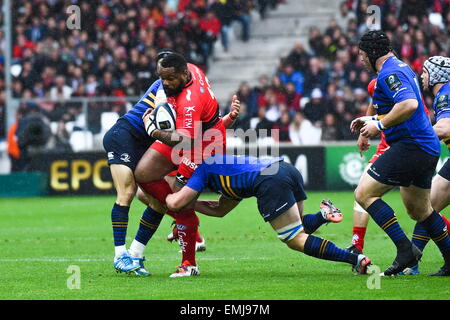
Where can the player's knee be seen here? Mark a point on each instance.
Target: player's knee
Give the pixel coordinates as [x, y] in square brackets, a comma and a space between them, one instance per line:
[291, 234]
[125, 197]
[418, 210]
[360, 196]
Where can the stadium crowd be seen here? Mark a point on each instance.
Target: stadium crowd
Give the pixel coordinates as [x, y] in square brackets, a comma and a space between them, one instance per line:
[312, 96]
[113, 52]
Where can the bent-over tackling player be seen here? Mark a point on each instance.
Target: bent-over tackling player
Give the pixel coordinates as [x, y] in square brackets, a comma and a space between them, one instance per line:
[278, 188]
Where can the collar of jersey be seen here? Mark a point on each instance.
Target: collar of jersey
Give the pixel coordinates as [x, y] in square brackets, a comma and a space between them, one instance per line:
[190, 82]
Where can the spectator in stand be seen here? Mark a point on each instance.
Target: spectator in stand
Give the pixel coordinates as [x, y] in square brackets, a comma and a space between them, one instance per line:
[315, 109]
[272, 109]
[60, 90]
[262, 123]
[248, 96]
[288, 74]
[211, 25]
[298, 57]
[224, 11]
[345, 15]
[329, 130]
[302, 131]
[315, 77]
[292, 98]
[282, 125]
[242, 10]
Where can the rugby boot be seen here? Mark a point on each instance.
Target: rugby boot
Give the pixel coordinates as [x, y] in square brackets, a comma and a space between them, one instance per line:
[405, 259]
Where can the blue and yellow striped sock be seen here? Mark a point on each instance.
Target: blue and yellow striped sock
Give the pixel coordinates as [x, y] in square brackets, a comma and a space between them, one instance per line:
[324, 249]
[437, 229]
[420, 236]
[385, 217]
[119, 218]
[312, 222]
[148, 225]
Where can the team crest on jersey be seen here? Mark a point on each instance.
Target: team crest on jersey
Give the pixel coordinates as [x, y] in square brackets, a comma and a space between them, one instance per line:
[442, 102]
[393, 82]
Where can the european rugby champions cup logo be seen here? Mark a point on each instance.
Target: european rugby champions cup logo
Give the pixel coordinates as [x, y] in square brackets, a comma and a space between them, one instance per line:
[352, 167]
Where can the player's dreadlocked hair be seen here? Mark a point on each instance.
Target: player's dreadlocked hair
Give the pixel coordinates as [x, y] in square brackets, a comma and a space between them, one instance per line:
[174, 60]
[376, 44]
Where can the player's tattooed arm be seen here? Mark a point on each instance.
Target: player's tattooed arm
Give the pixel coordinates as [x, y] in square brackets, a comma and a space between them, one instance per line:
[172, 138]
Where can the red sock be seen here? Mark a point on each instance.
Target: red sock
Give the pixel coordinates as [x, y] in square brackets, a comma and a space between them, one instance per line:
[447, 222]
[187, 224]
[159, 189]
[358, 237]
[198, 237]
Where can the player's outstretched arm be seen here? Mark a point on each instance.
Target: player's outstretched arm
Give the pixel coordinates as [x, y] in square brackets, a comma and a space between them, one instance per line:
[215, 208]
[230, 118]
[442, 128]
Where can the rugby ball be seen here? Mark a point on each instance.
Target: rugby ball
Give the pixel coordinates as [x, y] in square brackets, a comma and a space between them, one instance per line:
[165, 117]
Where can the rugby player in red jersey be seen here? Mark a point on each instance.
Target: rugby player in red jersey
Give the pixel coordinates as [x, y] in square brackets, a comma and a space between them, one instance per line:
[200, 132]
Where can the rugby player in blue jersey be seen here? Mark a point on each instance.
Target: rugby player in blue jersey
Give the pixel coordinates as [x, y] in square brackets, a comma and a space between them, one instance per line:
[125, 144]
[436, 78]
[410, 161]
[278, 188]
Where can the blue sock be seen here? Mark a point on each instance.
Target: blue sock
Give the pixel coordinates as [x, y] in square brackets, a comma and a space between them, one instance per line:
[385, 217]
[312, 222]
[420, 236]
[437, 229]
[148, 225]
[119, 218]
[324, 249]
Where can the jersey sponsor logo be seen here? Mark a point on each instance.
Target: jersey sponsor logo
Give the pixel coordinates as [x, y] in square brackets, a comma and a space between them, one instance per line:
[442, 102]
[189, 163]
[188, 122]
[393, 82]
[125, 157]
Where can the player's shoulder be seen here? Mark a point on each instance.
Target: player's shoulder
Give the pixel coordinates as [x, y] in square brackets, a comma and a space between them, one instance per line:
[394, 73]
[441, 101]
[445, 89]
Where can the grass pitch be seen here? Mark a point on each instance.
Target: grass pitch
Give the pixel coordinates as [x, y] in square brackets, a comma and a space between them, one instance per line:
[41, 238]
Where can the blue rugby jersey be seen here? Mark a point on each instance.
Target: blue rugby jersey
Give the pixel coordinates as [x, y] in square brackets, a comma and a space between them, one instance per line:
[442, 108]
[396, 82]
[231, 176]
[134, 115]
